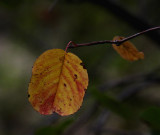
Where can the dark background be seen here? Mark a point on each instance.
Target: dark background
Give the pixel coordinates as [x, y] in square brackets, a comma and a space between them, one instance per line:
[123, 98]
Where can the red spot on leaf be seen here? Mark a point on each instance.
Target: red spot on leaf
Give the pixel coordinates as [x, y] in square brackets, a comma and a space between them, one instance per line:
[47, 106]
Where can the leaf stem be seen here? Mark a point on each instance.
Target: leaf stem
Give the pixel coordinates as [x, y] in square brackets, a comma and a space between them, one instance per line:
[68, 45]
[71, 44]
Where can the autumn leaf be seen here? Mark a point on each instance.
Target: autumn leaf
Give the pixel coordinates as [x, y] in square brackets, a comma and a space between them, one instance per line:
[58, 83]
[127, 50]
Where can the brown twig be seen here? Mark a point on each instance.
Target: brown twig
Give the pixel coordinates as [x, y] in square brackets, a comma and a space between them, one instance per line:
[121, 13]
[71, 44]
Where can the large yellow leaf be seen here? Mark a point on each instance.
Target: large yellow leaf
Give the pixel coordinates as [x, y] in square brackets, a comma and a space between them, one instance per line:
[58, 83]
[127, 50]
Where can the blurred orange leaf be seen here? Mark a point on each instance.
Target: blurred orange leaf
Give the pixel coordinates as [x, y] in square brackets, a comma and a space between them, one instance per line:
[127, 50]
[58, 83]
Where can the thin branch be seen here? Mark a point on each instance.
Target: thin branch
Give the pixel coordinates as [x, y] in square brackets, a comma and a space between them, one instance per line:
[120, 12]
[140, 33]
[71, 44]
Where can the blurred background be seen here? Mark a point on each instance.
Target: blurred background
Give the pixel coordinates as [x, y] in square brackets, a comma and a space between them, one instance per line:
[123, 98]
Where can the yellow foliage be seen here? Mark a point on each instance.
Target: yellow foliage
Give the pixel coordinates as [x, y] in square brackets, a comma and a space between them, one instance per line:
[58, 83]
[127, 50]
